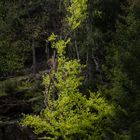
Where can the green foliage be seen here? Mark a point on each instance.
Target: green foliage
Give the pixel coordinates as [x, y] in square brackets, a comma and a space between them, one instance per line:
[77, 11]
[20, 22]
[10, 60]
[123, 69]
[108, 42]
[72, 115]
[52, 37]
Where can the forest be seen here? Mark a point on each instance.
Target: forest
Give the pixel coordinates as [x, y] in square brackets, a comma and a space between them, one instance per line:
[69, 69]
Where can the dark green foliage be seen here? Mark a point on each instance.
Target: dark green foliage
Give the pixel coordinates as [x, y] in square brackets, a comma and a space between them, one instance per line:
[123, 66]
[24, 25]
[105, 36]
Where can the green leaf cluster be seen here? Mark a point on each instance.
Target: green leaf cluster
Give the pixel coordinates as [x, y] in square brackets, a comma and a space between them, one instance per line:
[77, 11]
[72, 115]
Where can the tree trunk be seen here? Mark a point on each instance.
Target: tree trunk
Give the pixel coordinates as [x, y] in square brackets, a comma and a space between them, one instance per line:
[34, 56]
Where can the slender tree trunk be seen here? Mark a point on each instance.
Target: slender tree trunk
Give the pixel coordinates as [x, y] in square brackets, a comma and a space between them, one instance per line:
[34, 56]
[54, 60]
[76, 47]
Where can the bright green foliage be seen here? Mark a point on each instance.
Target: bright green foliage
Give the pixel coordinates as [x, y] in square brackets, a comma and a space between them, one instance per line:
[52, 37]
[72, 115]
[77, 11]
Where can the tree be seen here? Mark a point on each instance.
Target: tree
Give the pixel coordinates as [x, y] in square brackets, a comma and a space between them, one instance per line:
[71, 115]
[122, 67]
[24, 28]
